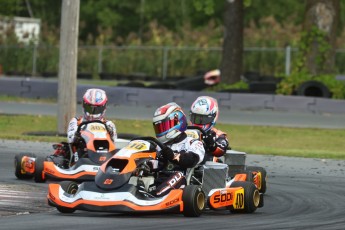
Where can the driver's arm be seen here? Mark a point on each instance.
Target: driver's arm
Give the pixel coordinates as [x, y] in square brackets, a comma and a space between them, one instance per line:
[192, 156]
[72, 128]
[112, 129]
[188, 158]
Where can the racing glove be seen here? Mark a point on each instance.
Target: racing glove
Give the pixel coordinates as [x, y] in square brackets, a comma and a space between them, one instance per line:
[77, 137]
[167, 153]
[210, 141]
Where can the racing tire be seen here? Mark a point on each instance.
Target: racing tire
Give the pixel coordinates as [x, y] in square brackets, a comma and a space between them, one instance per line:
[263, 177]
[70, 187]
[251, 199]
[18, 166]
[193, 201]
[313, 89]
[38, 174]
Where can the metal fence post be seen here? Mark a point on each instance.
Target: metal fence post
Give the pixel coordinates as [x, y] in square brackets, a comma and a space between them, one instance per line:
[34, 61]
[287, 60]
[165, 62]
[100, 59]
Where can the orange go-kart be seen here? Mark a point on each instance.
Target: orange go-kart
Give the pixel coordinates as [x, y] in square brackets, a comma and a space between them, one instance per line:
[115, 187]
[238, 170]
[78, 162]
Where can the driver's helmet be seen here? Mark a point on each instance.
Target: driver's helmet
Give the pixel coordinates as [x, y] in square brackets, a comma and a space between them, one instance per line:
[204, 112]
[169, 121]
[94, 104]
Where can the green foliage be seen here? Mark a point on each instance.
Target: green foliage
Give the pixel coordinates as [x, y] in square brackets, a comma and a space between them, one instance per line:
[281, 10]
[289, 84]
[308, 40]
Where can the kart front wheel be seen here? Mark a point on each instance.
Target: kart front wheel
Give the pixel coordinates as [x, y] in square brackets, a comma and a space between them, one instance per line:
[70, 187]
[251, 199]
[193, 201]
[39, 165]
[20, 174]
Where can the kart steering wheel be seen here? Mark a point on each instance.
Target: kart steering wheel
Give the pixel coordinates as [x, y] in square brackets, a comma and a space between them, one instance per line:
[155, 142]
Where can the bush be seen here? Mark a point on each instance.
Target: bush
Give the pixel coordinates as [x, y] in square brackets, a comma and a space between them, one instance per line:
[290, 84]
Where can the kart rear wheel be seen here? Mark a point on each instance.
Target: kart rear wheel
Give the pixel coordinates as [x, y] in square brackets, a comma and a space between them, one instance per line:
[18, 166]
[251, 197]
[263, 176]
[70, 187]
[193, 201]
[39, 165]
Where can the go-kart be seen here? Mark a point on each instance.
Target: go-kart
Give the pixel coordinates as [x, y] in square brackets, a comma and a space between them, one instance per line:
[115, 187]
[78, 162]
[238, 170]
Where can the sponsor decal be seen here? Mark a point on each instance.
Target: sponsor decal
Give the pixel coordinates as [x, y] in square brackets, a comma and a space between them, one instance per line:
[175, 179]
[136, 146]
[223, 197]
[96, 128]
[239, 199]
[170, 203]
[192, 134]
[102, 158]
[95, 168]
[108, 181]
[102, 197]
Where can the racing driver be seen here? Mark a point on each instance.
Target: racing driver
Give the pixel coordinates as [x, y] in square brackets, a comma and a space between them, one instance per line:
[180, 152]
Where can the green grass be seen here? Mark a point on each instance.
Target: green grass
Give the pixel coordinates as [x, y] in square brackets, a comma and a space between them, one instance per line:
[21, 99]
[300, 142]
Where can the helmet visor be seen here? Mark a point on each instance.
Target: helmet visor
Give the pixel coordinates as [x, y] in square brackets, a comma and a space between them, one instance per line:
[165, 125]
[92, 109]
[201, 119]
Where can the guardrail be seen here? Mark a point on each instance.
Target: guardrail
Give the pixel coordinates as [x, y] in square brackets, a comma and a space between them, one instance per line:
[38, 88]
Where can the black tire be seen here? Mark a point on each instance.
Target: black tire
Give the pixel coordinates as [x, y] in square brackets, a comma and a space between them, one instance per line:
[38, 174]
[193, 201]
[263, 172]
[18, 166]
[70, 187]
[251, 199]
[313, 89]
[162, 85]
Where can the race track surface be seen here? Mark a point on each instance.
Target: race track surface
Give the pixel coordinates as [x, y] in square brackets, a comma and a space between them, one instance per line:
[301, 194]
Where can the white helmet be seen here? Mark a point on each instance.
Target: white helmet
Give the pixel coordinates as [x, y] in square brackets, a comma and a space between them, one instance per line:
[169, 121]
[94, 104]
[204, 112]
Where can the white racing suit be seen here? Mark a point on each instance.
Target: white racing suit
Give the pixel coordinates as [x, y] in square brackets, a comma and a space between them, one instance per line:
[73, 127]
[75, 121]
[191, 152]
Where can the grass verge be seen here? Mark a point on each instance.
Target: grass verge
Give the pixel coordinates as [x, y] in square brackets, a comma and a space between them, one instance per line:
[300, 142]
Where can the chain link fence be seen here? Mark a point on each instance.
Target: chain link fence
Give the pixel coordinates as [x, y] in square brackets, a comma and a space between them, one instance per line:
[157, 62]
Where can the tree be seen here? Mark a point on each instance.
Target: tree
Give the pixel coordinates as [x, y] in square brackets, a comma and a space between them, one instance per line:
[318, 41]
[232, 58]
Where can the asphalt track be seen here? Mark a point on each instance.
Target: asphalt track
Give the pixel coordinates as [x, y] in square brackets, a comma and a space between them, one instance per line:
[301, 194]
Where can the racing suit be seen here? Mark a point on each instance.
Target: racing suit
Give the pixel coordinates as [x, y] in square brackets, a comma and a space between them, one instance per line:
[72, 136]
[216, 142]
[187, 153]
